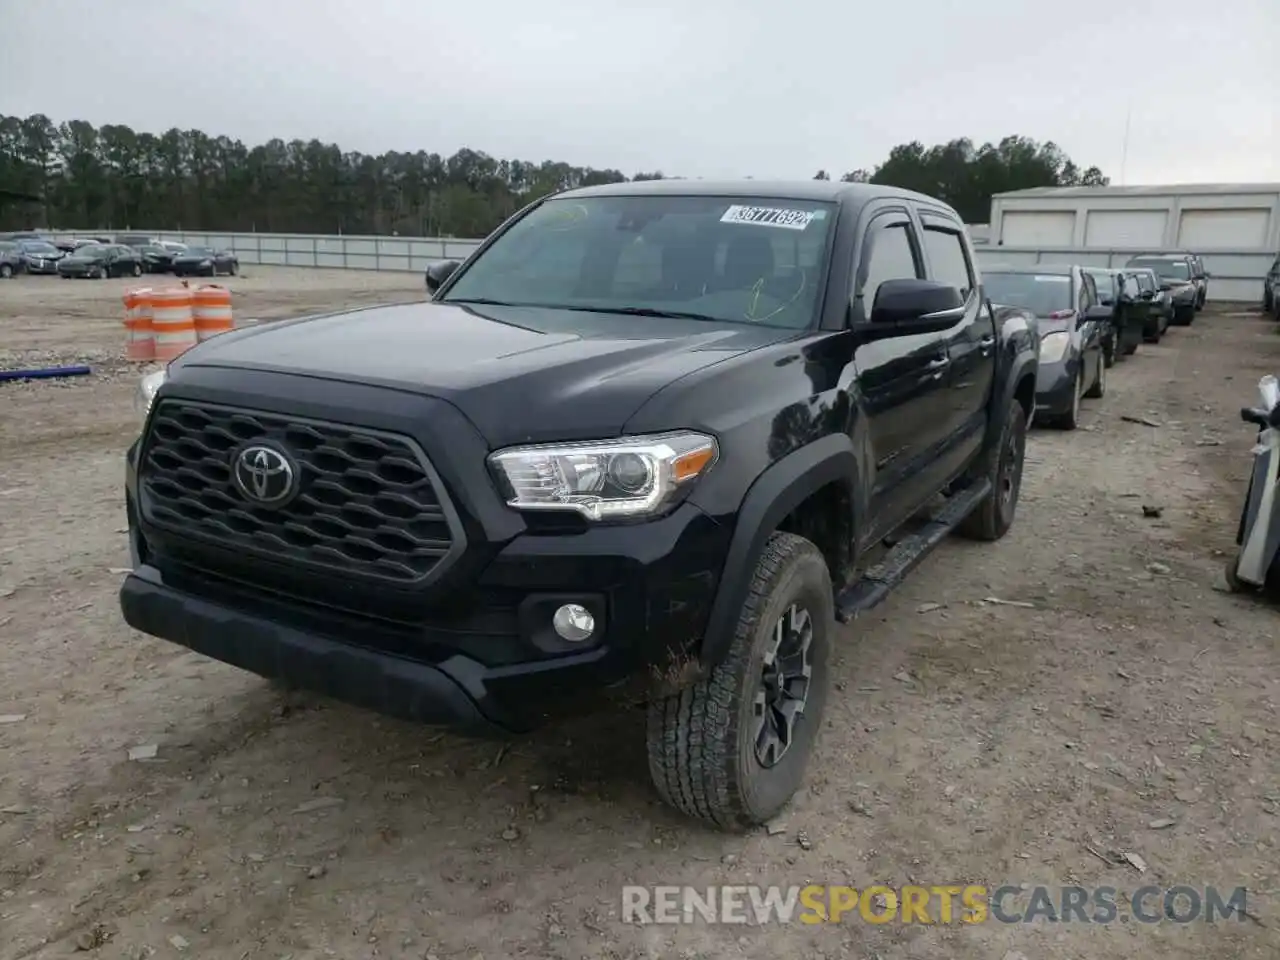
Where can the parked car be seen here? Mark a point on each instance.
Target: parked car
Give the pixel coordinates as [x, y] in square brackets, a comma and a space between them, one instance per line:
[1122, 333]
[174, 247]
[1175, 273]
[1271, 289]
[41, 256]
[11, 259]
[1159, 305]
[694, 465]
[156, 258]
[1072, 326]
[205, 262]
[100, 261]
[136, 240]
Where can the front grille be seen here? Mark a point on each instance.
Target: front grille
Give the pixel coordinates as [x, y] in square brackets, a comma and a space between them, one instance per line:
[368, 505]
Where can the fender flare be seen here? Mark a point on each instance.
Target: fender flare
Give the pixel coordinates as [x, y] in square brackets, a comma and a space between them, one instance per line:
[774, 494]
[1024, 363]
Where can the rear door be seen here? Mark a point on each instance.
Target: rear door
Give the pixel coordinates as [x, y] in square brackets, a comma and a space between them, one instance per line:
[901, 379]
[970, 343]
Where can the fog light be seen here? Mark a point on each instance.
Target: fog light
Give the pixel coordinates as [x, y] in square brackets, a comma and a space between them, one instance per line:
[573, 622]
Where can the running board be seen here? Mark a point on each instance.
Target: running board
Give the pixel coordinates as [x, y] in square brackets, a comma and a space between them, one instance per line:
[876, 584]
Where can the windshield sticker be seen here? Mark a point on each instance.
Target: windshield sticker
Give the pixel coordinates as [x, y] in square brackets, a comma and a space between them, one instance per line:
[1051, 278]
[769, 217]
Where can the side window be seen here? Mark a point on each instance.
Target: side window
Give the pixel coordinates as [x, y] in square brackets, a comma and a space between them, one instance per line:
[949, 259]
[890, 255]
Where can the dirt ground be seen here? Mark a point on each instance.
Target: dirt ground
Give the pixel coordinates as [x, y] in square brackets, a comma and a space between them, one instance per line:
[968, 741]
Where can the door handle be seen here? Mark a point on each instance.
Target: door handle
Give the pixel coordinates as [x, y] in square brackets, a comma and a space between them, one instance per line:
[939, 363]
[987, 342]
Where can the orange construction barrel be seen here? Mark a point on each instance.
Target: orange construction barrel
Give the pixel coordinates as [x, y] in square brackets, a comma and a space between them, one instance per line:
[140, 343]
[211, 305]
[172, 321]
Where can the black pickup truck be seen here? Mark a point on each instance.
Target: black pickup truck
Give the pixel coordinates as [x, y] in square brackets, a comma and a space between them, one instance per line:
[648, 443]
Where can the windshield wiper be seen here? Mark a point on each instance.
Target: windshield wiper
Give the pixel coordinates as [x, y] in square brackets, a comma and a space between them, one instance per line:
[486, 302]
[649, 312]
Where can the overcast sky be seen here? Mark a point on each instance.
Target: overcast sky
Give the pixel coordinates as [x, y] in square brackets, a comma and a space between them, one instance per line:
[766, 88]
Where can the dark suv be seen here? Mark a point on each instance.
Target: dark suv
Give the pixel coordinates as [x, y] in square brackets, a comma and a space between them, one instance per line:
[645, 443]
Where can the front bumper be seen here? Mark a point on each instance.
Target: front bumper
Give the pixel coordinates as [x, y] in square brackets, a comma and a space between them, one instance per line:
[1055, 383]
[42, 267]
[478, 654]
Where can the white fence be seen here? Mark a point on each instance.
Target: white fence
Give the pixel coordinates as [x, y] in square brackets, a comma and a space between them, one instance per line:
[321, 250]
[1234, 275]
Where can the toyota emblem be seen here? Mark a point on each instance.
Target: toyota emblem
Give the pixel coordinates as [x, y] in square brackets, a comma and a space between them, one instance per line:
[264, 475]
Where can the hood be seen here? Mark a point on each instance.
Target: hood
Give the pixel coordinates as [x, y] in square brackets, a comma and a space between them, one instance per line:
[519, 374]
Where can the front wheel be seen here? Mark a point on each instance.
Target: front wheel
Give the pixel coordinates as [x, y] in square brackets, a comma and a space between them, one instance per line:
[1099, 388]
[992, 518]
[6, 271]
[137, 269]
[732, 749]
[1071, 419]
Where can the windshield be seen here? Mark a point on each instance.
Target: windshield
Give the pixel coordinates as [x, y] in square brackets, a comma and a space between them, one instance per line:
[38, 246]
[91, 253]
[1166, 269]
[715, 258]
[1041, 293]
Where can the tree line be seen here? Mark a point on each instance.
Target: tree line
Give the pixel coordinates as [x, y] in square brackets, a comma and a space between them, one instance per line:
[113, 177]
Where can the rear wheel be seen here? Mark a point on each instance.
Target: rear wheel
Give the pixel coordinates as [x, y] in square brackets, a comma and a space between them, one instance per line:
[101, 274]
[992, 518]
[137, 269]
[732, 749]
[6, 271]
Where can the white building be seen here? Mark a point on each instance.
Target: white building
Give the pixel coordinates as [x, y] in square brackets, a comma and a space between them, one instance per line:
[1235, 227]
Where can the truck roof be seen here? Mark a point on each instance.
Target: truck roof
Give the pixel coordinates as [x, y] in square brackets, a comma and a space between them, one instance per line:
[830, 190]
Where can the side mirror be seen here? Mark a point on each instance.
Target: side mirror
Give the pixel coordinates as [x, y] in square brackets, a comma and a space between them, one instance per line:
[917, 301]
[439, 272]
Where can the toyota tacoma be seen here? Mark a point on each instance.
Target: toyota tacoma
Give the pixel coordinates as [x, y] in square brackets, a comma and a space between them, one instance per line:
[649, 443]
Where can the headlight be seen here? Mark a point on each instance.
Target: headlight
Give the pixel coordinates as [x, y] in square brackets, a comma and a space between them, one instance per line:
[147, 388]
[1053, 346]
[625, 478]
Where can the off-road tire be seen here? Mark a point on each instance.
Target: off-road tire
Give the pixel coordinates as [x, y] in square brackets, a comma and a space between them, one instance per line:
[992, 518]
[701, 755]
[1099, 388]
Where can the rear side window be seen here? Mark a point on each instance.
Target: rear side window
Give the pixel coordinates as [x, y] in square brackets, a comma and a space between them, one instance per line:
[949, 259]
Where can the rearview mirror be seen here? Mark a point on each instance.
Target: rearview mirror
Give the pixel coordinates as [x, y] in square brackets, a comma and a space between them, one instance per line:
[917, 301]
[439, 272]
